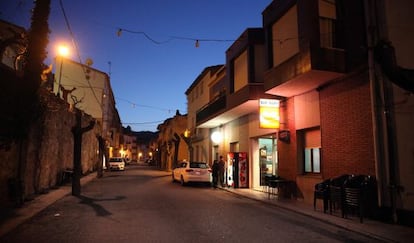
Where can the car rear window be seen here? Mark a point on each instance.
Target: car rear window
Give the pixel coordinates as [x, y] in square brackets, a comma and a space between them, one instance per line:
[200, 165]
[115, 160]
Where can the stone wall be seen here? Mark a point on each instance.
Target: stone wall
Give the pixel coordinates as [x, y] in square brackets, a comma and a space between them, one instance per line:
[36, 164]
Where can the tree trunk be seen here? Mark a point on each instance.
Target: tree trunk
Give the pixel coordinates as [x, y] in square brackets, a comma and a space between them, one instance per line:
[78, 131]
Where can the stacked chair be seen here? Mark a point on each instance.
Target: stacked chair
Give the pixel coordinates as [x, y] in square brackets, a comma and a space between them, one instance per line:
[349, 193]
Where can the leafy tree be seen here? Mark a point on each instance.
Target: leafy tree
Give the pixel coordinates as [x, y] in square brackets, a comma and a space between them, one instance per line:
[38, 40]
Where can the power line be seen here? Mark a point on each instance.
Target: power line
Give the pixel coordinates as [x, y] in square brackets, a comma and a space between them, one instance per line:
[143, 123]
[77, 50]
[140, 105]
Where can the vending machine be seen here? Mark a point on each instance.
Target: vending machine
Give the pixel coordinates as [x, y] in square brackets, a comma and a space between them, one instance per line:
[237, 170]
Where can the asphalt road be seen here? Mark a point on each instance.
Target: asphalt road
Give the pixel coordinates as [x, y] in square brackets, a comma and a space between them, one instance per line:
[143, 205]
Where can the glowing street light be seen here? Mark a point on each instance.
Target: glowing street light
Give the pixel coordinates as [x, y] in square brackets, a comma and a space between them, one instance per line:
[63, 51]
[216, 137]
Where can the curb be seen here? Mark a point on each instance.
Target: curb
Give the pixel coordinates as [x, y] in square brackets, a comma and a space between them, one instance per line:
[343, 225]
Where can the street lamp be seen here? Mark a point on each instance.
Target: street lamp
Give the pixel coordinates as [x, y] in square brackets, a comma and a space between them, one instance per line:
[187, 137]
[63, 51]
[216, 137]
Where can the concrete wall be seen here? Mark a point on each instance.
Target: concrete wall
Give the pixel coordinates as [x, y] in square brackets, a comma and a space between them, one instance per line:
[404, 116]
[400, 32]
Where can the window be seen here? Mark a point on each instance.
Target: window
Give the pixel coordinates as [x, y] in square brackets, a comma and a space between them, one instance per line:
[327, 32]
[200, 165]
[312, 160]
[240, 71]
[327, 23]
[310, 140]
[285, 37]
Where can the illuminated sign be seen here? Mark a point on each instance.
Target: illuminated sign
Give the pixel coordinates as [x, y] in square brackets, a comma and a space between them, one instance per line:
[269, 113]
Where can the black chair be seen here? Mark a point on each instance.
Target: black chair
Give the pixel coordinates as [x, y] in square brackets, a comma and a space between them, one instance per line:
[356, 192]
[322, 192]
[336, 193]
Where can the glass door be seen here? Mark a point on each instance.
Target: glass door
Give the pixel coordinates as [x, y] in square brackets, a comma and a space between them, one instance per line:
[267, 158]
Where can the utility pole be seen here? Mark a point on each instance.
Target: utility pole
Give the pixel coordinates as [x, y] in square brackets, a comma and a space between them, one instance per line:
[78, 131]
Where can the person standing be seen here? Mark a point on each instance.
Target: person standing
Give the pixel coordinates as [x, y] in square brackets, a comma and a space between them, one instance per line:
[221, 164]
[215, 171]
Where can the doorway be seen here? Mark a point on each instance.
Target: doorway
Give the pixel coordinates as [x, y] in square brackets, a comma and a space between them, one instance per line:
[265, 160]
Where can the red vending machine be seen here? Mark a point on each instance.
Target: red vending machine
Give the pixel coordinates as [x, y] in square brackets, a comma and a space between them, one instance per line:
[237, 170]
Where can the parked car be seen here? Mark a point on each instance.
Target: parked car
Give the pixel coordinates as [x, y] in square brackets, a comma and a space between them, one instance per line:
[150, 162]
[187, 172]
[116, 163]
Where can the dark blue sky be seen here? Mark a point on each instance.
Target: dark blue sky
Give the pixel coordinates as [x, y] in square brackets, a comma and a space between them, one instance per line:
[154, 60]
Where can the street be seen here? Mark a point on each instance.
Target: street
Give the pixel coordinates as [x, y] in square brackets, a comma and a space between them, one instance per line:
[142, 204]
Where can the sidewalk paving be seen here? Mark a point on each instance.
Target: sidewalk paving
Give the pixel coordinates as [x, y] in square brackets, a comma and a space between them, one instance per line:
[374, 229]
[30, 209]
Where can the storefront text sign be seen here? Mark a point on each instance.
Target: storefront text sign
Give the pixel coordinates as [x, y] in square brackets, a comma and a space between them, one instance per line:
[269, 113]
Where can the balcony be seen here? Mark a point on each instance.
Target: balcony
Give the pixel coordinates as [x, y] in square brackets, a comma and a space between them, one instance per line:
[238, 104]
[215, 106]
[305, 71]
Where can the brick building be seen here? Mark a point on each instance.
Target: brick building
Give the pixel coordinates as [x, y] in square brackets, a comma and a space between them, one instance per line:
[343, 90]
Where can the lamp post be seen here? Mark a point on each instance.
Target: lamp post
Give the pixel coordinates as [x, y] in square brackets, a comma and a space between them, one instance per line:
[63, 51]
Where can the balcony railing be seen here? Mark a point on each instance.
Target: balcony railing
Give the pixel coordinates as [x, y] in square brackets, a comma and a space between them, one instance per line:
[212, 108]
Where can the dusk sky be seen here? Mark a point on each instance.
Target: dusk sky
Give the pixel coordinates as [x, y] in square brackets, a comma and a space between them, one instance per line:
[154, 59]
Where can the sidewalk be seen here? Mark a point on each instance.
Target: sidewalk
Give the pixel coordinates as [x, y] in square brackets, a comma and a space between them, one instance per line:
[374, 229]
[30, 209]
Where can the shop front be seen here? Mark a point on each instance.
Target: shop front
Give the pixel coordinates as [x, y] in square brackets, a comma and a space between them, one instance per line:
[264, 160]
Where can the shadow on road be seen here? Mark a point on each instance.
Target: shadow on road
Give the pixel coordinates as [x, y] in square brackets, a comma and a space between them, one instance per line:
[100, 211]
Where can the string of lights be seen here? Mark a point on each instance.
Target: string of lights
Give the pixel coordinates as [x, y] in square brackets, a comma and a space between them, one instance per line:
[120, 31]
[196, 40]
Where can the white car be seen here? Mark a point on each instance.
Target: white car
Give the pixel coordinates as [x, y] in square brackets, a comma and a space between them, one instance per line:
[116, 163]
[187, 172]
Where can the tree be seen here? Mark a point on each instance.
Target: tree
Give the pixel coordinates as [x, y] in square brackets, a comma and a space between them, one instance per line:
[78, 131]
[28, 104]
[37, 43]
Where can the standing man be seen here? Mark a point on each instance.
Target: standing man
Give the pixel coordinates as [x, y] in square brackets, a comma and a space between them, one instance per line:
[215, 170]
[221, 170]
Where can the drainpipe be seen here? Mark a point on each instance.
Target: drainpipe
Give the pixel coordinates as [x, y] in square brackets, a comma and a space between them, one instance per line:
[392, 147]
[384, 132]
[376, 102]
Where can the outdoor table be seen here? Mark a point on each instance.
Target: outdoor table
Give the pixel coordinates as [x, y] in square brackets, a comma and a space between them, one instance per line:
[278, 184]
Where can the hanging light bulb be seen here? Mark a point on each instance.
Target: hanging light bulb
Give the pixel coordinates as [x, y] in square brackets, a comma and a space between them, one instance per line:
[197, 44]
[119, 32]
